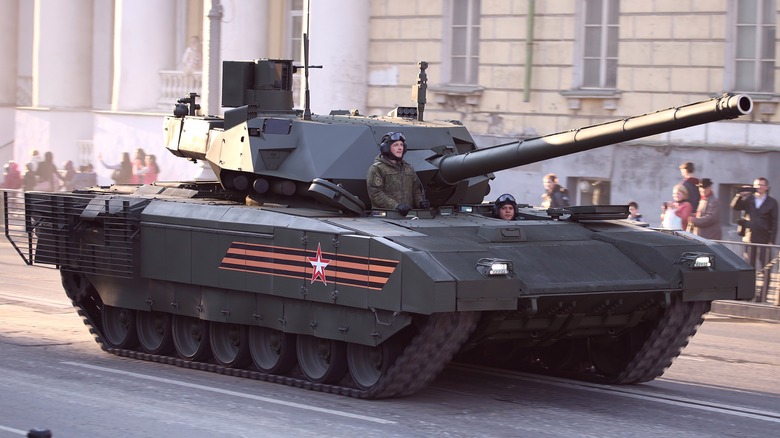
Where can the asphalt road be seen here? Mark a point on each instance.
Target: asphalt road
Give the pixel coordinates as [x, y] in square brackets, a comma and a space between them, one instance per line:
[54, 376]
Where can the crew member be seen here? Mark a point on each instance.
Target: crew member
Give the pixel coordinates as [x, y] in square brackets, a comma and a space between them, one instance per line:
[505, 207]
[392, 182]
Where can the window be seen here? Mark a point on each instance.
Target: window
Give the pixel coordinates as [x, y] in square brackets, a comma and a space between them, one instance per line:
[464, 42]
[590, 191]
[754, 45]
[600, 44]
[295, 29]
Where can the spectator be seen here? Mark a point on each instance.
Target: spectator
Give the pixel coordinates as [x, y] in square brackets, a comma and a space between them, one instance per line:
[690, 182]
[148, 174]
[123, 171]
[35, 159]
[138, 163]
[554, 195]
[676, 213]
[68, 173]
[759, 224]
[706, 221]
[633, 212]
[12, 178]
[30, 177]
[48, 176]
[85, 177]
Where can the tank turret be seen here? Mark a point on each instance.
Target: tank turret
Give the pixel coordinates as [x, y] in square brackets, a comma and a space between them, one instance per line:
[265, 149]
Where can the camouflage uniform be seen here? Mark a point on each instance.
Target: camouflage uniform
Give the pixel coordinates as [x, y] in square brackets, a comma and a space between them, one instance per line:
[391, 183]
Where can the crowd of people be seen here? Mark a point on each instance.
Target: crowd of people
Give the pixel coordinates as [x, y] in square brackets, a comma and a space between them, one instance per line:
[41, 173]
[699, 210]
[142, 169]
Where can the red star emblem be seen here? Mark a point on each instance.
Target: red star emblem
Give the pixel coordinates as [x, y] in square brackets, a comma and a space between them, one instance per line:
[319, 264]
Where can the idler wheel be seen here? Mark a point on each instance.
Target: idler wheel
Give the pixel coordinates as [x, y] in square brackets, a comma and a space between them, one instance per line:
[322, 360]
[191, 338]
[119, 327]
[367, 364]
[273, 351]
[155, 333]
[230, 344]
[76, 285]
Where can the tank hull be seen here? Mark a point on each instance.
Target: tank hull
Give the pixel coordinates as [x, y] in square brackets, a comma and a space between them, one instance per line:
[177, 265]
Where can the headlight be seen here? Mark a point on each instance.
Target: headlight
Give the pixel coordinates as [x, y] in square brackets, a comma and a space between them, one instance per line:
[697, 260]
[493, 267]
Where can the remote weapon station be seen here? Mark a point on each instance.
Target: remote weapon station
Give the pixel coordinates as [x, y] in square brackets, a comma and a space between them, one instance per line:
[282, 271]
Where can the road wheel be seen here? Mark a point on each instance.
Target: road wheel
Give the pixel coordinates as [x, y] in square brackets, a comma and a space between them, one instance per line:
[154, 332]
[191, 338]
[322, 360]
[119, 327]
[272, 351]
[368, 365]
[230, 344]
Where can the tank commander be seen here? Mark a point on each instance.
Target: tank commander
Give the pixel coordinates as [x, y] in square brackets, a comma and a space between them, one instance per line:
[392, 182]
[505, 207]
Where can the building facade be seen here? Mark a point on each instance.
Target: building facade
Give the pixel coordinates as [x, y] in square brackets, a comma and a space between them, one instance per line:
[91, 78]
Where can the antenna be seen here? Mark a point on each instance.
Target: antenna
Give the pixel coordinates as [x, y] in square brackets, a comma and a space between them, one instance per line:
[307, 97]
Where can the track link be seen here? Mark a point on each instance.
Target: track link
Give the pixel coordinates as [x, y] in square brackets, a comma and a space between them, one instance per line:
[672, 333]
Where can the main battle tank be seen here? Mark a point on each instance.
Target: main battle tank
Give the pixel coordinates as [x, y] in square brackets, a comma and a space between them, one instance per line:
[281, 271]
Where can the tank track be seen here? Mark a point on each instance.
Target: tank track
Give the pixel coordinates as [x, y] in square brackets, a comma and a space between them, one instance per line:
[665, 342]
[429, 351]
[662, 343]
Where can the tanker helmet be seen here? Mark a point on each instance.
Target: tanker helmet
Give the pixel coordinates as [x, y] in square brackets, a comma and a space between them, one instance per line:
[388, 139]
[502, 200]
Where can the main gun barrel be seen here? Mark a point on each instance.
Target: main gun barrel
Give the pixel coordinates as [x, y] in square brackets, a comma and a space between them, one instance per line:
[479, 162]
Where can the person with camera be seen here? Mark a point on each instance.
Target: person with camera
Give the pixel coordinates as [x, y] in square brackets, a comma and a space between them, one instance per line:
[759, 223]
[392, 182]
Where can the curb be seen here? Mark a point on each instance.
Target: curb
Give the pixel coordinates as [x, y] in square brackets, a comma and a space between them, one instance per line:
[741, 309]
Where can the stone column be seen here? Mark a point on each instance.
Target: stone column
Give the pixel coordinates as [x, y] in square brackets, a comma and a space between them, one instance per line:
[342, 82]
[102, 54]
[144, 44]
[244, 35]
[9, 18]
[212, 61]
[62, 67]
